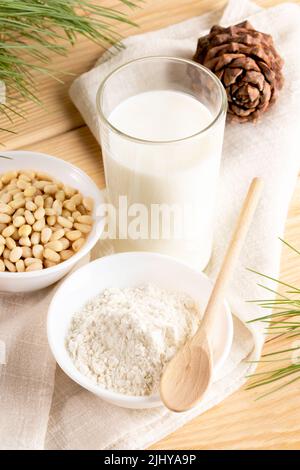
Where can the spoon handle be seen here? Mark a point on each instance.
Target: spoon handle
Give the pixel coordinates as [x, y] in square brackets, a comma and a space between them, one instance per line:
[232, 255]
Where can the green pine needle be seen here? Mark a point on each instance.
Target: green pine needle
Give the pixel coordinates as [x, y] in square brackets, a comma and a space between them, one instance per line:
[32, 29]
[283, 322]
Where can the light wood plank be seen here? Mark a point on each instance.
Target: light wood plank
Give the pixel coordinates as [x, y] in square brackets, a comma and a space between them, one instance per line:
[77, 147]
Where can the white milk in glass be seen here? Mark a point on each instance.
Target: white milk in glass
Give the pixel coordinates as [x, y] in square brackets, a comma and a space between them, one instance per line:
[173, 178]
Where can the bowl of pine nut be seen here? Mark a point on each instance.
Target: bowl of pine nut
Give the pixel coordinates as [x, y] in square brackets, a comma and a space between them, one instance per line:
[48, 219]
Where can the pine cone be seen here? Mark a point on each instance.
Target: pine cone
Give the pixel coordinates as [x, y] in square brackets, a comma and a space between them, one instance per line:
[248, 65]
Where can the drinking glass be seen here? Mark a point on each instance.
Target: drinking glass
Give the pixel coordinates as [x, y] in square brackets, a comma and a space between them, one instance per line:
[163, 191]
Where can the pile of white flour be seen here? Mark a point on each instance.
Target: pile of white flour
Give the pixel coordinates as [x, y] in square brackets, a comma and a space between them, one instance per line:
[123, 338]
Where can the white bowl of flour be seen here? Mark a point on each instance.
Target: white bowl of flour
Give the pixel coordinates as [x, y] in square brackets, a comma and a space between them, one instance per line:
[114, 324]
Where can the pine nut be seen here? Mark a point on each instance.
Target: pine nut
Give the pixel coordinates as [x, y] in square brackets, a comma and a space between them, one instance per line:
[29, 173]
[83, 227]
[34, 267]
[12, 188]
[36, 238]
[31, 206]
[46, 235]
[82, 209]
[64, 222]
[16, 204]
[50, 189]
[19, 221]
[43, 176]
[29, 217]
[57, 206]
[20, 265]
[2, 266]
[26, 252]
[66, 254]
[66, 213]
[2, 247]
[69, 191]
[5, 218]
[25, 241]
[30, 191]
[5, 209]
[73, 235]
[25, 230]
[15, 236]
[60, 195]
[8, 231]
[58, 234]
[37, 251]
[39, 201]
[88, 203]
[18, 196]
[19, 211]
[49, 264]
[41, 184]
[25, 177]
[6, 198]
[10, 243]
[69, 205]
[48, 202]
[21, 184]
[76, 214]
[15, 254]
[39, 225]
[76, 199]
[39, 213]
[8, 176]
[31, 260]
[55, 245]
[10, 266]
[51, 255]
[78, 244]
[49, 211]
[85, 219]
[51, 220]
[57, 227]
[65, 243]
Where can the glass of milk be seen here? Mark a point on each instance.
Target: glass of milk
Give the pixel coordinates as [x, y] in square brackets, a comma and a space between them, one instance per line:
[162, 124]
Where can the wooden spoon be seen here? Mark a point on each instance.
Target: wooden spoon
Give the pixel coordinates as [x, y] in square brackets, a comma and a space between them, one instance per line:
[188, 375]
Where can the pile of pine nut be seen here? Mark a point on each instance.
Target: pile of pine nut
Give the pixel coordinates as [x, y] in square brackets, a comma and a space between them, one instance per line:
[43, 222]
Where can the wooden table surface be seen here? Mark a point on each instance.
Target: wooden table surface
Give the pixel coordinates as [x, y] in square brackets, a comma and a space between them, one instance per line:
[239, 422]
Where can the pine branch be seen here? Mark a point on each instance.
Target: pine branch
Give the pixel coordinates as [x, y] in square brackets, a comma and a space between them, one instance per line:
[283, 322]
[32, 30]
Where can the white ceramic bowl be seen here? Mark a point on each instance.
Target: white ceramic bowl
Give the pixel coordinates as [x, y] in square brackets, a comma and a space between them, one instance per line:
[70, 175]
[128, 270]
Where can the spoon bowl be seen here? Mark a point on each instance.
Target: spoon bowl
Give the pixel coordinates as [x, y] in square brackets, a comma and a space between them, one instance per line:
[188, 376]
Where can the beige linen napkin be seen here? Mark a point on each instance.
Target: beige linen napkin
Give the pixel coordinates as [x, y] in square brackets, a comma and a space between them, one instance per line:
[78, 420]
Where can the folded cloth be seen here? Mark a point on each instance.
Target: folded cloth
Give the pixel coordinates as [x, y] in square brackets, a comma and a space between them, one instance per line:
[77, 419]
